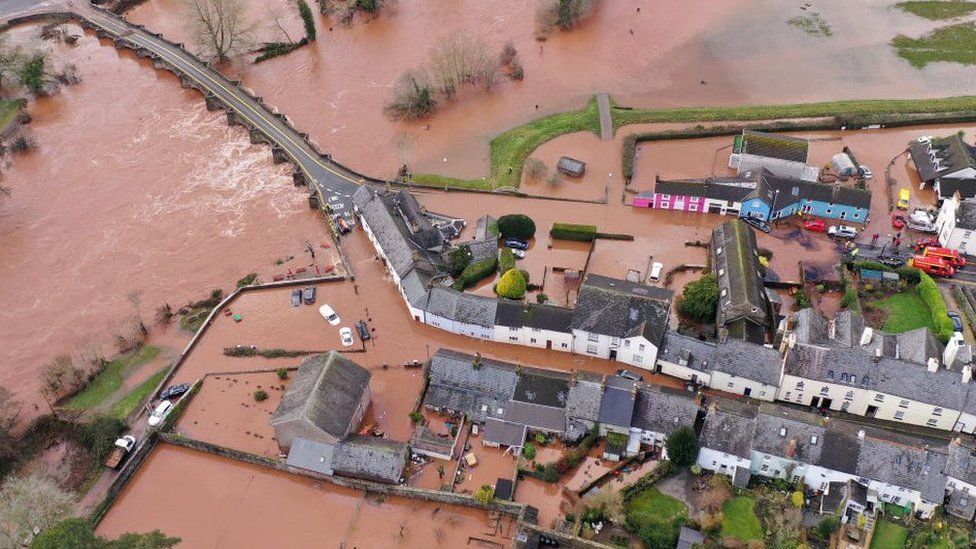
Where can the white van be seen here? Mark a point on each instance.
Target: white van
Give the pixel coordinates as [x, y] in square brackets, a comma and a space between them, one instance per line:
[656, 269]
[159, 414]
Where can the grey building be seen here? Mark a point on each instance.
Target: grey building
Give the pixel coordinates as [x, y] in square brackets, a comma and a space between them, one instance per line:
[947, 164]
[325, 402]
[743, 311]
[371, 458]
[467, 384]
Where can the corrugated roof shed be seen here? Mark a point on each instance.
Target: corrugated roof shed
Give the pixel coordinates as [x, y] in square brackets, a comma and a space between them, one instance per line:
[371, 458]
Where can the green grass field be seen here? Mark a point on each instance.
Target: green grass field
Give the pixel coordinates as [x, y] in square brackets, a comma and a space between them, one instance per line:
[134, 398]
[955, 43]
[108, 381]
[510, 149]
[653, 507]
[906, 311]
[739, 519]
[937, 9]
[888, 535]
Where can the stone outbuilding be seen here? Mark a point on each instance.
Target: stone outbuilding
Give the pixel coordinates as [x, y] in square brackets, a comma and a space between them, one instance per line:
[325, 402]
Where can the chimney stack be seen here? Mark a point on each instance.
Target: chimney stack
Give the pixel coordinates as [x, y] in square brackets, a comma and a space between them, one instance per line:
[866, 336]
[791, 448]
[832, 328]
[951, 350]
[860, 434]
[967, 373]
[933, 365]
[877, 354]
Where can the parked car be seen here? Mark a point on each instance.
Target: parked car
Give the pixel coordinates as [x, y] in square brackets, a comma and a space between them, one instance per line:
[519, 254]
[328, 314]
[898, 221]
[904, 196]
[308, 295]
[345, 334]
[656, 269]
[956, 320]
[868, 174]
[627, 374]
[842, 231]
[363, 330]
[815, 225]
[160, 412]
[516, 244]
[296, 297]
[758, 223]
[175, 391]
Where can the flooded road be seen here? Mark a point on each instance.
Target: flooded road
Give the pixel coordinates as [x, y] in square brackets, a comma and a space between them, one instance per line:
[135, 197]
[215, 502]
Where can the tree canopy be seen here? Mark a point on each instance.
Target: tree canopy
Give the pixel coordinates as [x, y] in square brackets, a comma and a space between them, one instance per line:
[77, 533]
[699, 300]
[511, 285]
[682, 446]
[516, 226]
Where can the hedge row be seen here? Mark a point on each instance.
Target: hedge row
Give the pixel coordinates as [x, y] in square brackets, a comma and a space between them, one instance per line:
[475, 272]
[506, 260]
[570, 231]
[932, 297]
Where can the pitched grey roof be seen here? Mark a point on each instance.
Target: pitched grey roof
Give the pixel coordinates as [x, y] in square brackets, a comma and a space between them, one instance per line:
[457, 385]
[856, 368]
[795, 191]
[687, 351]
[771, 145]
[912, 467]
[619, 308]
[748, 360]
[536, 416]
[618, 401]
[729, 427]
[505, 433]
[952, 155]
[542, 387]
[786, 432]
[403, 242]
[310, 455]
[688, 538]
[663, 410]
[371, 458]
[918, 346]
[518, 314]
[583, 401]
[735, 189]
[961, 504]
[966, 218]
[483, 249]
[481, 231]
[735, 263]
[325, 392]
[462, 307]
[962, 462]
[415, 287]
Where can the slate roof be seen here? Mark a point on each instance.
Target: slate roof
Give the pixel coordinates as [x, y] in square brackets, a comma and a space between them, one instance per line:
[735, 189]
[961, 504]
[505, 433]
[536, 416]
[371, 458]
[794, 191]
[483, 249]
[952, 153]
[663, 410]
[962, 462]
[583, 401]
[481, 231]
[518, 314]
[966, 215]
[729, 427]
[461, 306]
[311, 455]
[542, 387]
[840, 451]
[619, 308]
[735, 263]
[325, 392]
[618, 401]
[912, 467]
[793, 434]
[748, 360]
[688, 538]
[504, 489]
[771, 145]
[383, 213]
[886, 375]
[687, 351]
[456, 384]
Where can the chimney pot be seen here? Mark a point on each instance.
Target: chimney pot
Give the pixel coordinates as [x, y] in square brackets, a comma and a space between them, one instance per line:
[860, 434]
[933, 364]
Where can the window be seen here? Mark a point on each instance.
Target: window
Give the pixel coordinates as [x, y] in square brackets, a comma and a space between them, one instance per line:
[853, 379]
[532, 340]
[799, 385]
[765, 467]
[864, 381]
[903, 404]
[591, 349]
[731, 384]
[640, 347]
[843, 377]
[879, 397]
[593, 337]
[937, 412]
[721, 272]
[899, 415]
[932, 422]
[626, 343]
[513, 338]
[565, 345]
[782, 432]
[724, 292]
[665, 196]
[825, 390]
[718, 251]
[787, 395]
[849, 395]
[638, 359]
[843, 215]
[830, 374]
[814, 439]
[693, 207]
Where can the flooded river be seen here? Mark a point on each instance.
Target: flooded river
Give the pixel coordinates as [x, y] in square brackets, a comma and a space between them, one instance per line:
[135, 197]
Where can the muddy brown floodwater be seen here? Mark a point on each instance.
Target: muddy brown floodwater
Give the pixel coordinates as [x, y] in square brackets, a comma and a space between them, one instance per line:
[215, 502]
[136, 196]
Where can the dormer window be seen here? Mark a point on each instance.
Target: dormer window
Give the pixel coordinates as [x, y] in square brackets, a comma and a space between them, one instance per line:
[782, 432]
[813, 439]
[718, 251]
[830, 374]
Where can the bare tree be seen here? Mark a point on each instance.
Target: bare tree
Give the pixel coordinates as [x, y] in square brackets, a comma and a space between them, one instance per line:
[219, 27]
[276, 15]
[461, 60]
[29, 504]
[412, 97]
[608, 502]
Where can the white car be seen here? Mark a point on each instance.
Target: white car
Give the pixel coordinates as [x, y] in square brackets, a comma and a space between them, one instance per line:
[345, 334]
[842, 231]
[868, 174]
[656, 269]
[329, 315]
[519, 254]
[159, 414]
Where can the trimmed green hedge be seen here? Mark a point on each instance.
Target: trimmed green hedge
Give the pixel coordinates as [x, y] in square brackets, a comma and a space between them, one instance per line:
[570, 231]
[910, 275]
[506, 260]
[475, 272]
[932, 297]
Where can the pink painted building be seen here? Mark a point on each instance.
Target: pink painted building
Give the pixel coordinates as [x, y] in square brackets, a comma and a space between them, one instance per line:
[660, 201]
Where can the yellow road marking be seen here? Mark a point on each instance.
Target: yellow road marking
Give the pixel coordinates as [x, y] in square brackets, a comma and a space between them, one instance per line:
[136, 36]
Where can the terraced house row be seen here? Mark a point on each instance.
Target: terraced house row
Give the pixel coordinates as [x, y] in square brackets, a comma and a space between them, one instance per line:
[833, 364]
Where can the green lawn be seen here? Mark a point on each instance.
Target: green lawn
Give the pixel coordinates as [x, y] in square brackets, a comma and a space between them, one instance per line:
[510, 149]
[108, 381]
[954, 43]
[906, 311]
[8, 111]
[653, 507]
[888, 535]
[938, 9]
[134, 398]
[739, 519]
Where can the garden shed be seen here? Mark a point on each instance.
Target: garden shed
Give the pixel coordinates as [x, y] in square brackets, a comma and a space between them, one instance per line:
[571, 167]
